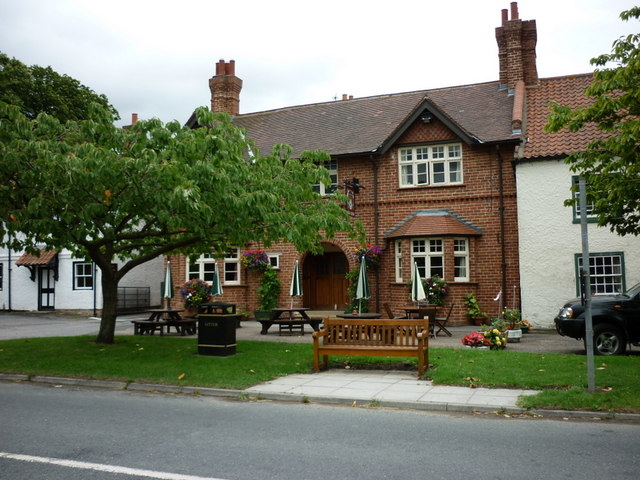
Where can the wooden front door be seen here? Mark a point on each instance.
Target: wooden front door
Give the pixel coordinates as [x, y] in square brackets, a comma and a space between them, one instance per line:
[325, 287]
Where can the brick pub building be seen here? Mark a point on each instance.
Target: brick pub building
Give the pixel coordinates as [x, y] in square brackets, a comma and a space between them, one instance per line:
[434, 182]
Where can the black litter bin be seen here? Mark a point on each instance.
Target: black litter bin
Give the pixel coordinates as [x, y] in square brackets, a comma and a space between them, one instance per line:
[217, 307]
[217, 334]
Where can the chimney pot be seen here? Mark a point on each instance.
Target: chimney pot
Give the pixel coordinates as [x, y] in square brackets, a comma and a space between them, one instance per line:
[514, 10]
[344, 96]
[505, 16]
[230, 68]
[134, 118]
[225, 88]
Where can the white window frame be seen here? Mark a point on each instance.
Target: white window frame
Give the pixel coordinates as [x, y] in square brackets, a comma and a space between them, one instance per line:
[606, 273]
[1, 275]
[398, 259]
[332, 167]
[203, 267]
[231, 270]
[428, 253]
[83, 275]
[430, 165]
[461, 259]
[274, 260]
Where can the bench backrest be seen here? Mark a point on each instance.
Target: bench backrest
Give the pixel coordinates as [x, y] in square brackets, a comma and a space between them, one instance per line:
[374, 332]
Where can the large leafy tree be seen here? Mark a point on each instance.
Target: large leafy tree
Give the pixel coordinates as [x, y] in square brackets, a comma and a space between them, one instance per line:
[36, 89]
[611, 163]
[107, 193]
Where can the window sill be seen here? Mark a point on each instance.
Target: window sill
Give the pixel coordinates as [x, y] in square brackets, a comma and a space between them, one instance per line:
[430, 186]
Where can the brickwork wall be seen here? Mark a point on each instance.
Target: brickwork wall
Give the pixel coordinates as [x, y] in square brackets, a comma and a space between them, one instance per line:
[477, 201]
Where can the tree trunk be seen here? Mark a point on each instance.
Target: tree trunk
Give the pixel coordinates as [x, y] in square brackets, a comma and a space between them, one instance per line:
[109, 308]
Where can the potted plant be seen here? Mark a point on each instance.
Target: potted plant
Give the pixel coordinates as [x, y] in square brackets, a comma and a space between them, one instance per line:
[268, 292]
[513, 319]
[525, 326]
[474, 312]
[194, 292]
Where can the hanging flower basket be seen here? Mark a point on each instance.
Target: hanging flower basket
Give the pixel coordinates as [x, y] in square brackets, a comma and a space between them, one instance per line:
[255, 260]
[371, 254]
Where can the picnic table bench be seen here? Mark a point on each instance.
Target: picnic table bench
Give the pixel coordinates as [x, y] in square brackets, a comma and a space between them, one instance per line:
[373, 337]
[161, 318]
[286, 320]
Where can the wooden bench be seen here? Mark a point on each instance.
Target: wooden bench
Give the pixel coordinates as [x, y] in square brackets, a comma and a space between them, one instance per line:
[373, 337]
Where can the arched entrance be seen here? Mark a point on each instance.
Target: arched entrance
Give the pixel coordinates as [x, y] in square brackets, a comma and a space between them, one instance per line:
[325, 287]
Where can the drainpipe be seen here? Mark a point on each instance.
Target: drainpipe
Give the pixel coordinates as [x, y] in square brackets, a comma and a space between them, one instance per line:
[376, 222]
[9, 269]
[95, 288]
[503, 253]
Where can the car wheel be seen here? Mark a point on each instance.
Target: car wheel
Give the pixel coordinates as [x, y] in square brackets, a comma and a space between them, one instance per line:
[608, 340]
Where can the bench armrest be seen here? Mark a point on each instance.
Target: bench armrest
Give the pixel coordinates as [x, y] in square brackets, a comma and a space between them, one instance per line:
[317, 335]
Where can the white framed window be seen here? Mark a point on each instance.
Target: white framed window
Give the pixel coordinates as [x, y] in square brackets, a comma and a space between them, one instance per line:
[229, 268]
[429, 256]
[606, 273]
[1, 275]
[202, 268]
[82, 276]
[321, 188]
[430, 165]
[398, 257]
[461, 259]
[274, 260]
[231, 273]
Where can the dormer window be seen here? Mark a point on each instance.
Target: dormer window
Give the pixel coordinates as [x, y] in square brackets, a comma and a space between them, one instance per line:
[322, 189]
[430, 165]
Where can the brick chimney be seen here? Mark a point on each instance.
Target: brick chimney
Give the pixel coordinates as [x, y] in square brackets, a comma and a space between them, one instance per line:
[517, 49]
[225, 89]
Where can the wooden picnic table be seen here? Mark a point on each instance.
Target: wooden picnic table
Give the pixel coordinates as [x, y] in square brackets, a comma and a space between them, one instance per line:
[285, 317]
[159, 318]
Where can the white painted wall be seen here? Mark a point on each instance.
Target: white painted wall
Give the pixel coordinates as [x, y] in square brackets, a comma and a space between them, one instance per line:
[549, 241]
[24, 291]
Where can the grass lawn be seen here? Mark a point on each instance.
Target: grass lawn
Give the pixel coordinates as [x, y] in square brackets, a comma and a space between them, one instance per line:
[171, 360]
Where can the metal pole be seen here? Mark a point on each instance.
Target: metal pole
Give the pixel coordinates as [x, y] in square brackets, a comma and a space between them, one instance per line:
[586, 294]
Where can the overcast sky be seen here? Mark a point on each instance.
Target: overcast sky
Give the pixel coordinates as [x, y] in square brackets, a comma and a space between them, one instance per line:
[154, 57]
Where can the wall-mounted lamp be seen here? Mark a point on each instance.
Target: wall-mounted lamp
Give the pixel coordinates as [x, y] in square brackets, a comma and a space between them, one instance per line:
[426, 116]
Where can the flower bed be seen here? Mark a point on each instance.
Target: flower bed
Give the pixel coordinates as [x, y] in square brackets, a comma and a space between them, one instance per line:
[491, 337]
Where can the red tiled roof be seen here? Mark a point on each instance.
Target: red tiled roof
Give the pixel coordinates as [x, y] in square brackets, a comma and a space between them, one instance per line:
[362, 125]
[430, 223]
[567, 90]
[45, 258]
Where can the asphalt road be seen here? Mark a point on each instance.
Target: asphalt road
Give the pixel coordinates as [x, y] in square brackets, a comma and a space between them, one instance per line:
[45, 429]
